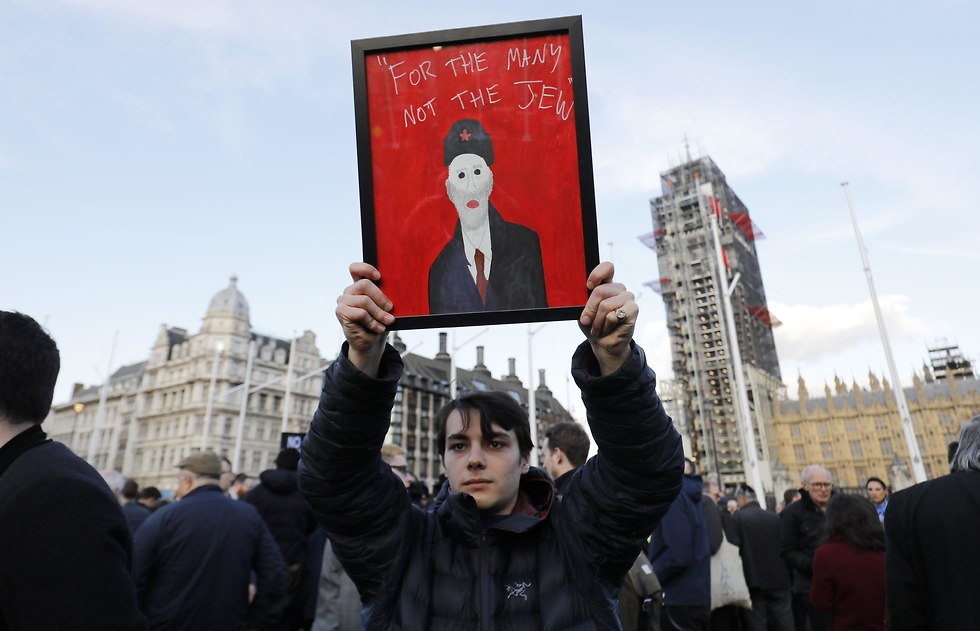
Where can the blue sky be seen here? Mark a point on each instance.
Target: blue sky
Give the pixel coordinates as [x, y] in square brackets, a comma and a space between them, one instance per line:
[149, 150]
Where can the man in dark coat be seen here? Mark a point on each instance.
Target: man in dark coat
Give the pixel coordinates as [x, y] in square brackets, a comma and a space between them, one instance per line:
[498, 549]
[489, 264]
[681, 556]
[288, 516]
[565, 449]
[134, 511]
[765, 571]
[801, 532]
[66, 548]
[194, 558]
[932, 556]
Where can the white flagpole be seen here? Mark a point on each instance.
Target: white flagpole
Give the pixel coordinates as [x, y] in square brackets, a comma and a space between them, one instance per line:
[750, 457]
[210, 407]
[918, 469]
[95, 438]
[289, 386]
[240, 430]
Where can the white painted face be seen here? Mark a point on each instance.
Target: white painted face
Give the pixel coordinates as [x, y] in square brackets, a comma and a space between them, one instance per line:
[468, 186]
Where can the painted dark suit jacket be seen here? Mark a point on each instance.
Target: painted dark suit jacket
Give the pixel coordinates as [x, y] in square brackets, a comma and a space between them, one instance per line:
[516, 274]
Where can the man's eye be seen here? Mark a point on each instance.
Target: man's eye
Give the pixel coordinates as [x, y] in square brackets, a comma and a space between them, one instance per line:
[476, 171]
[456, 447]
[461, 175]
[495, 444]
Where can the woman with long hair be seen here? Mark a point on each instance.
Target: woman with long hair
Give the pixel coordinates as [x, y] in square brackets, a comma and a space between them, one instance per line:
[849, 569]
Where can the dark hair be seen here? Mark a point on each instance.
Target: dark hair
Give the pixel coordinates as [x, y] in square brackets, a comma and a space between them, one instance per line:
[241, 477]
[853, 518]
[288, 459]
[491, 407]
[878, 480]
[29, 365]
[571, 439]
[150, 493]
[788, 496]
[130, 489]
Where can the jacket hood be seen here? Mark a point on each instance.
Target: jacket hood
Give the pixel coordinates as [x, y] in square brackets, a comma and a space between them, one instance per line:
[280, 481]
[692, 487]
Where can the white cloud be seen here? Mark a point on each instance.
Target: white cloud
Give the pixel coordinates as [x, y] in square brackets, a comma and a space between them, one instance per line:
[810, 333]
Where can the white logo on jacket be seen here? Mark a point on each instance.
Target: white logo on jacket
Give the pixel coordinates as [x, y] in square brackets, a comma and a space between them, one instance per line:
[517, 589]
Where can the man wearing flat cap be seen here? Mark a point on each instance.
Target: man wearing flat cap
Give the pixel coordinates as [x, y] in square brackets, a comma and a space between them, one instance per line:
[489, 264]
[193, 558]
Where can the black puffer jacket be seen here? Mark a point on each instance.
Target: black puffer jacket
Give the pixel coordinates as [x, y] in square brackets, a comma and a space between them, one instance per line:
[558, 565]
[285, 512]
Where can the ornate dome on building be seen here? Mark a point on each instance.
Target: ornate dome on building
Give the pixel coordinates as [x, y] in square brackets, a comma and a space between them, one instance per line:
[229, 301]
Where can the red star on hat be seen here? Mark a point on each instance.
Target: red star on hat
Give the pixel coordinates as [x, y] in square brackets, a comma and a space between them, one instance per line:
[465, 136]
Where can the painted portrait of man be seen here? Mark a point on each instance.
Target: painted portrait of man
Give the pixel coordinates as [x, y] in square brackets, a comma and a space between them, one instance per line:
[489, 264]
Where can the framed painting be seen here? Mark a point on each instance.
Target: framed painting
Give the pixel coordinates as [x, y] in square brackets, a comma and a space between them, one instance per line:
[475, 168]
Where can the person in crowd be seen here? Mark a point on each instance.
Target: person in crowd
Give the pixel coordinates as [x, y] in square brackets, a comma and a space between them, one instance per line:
[765, 571]
[135, 512]
[65, 547]
[338, 602]
[290, 520]
[498, 549]
[932, 580]
[680, 552]
[789, 496]
[801, 532]
[565, 448]
[150, 497]
[878, 494]
[194, 558]
[241, 486]
[227, 477]
[849, 569]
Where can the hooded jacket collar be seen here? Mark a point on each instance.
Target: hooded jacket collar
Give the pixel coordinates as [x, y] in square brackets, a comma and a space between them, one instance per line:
[463, 521]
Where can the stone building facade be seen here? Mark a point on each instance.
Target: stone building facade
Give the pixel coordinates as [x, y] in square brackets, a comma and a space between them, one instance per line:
[156, 411]
[856, 432]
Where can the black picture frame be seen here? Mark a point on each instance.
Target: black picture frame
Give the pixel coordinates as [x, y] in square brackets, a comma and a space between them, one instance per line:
[365, 51]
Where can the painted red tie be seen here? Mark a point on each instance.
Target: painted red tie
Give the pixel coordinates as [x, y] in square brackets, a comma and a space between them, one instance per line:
[481, 278]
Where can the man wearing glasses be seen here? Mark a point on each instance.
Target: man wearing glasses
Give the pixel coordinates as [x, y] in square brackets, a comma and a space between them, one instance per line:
[801, 530]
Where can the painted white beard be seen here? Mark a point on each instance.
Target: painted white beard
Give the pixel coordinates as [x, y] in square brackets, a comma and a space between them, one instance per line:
[472, 219]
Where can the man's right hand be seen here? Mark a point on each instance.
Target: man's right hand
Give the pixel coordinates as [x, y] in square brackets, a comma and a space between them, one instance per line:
[364, 313]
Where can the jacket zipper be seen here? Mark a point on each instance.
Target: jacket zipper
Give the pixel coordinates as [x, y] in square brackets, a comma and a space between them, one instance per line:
[484, 584]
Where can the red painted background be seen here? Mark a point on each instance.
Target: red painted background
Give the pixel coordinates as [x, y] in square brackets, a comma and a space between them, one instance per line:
[535, 169]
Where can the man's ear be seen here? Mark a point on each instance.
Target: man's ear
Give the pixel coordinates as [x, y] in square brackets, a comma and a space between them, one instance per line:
[558, 455]
[525, 463]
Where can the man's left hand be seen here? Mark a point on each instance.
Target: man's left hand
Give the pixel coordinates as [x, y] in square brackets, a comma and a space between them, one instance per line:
[608, 319]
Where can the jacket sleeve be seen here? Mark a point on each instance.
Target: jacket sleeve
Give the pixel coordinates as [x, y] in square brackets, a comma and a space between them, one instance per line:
[823, 588]
[270, 582]
[672, 550]
[355, 497]
[789, 528]
[617, 498]
[907, 594]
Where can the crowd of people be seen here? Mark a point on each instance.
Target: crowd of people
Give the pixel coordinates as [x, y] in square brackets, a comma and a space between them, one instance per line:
[342, 536]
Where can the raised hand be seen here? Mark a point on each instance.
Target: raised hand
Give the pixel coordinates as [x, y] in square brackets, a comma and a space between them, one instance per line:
[609, 318]
[364, 313]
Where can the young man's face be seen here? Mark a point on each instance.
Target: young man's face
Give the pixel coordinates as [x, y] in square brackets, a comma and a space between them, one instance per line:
[488, 468]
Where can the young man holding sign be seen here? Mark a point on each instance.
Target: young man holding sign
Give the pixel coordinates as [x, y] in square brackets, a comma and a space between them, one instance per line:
[498, 549]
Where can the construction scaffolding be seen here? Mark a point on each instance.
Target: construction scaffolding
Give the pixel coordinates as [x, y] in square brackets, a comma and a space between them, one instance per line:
[689, 283]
